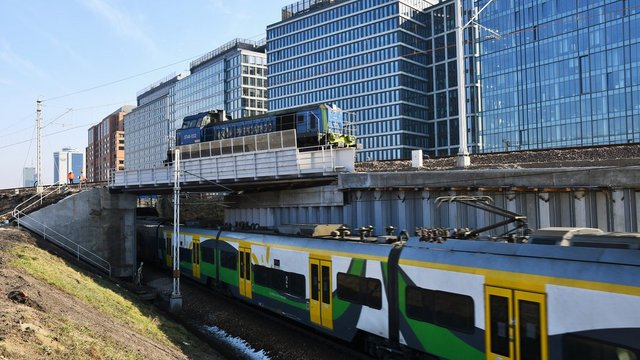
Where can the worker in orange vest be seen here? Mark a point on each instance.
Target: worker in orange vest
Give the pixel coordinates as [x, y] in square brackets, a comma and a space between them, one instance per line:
[70, 177]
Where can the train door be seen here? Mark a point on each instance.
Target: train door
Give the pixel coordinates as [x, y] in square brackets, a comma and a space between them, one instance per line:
[244, 265]
[168, 251]
[320, 302]
[195, 257]
[516, 324]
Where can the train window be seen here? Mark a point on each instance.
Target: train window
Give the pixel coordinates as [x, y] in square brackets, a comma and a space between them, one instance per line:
[360, 290]
[185, 255]
[530, 341]
[326, 289]
[228, 260]
[208, 255]
[578, 347]
[499, 322]
[300, 118]
[314, 282]
[248, 265]
[419, 306]
[453, 311]
[283, 281]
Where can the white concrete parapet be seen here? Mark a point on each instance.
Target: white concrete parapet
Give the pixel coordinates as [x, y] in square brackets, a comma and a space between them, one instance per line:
[237, 161]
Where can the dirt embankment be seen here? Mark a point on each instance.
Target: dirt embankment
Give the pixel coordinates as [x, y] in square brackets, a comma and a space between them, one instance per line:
[77, 315]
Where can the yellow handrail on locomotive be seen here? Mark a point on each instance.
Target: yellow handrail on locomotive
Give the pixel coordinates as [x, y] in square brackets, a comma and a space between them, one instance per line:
[346, 140]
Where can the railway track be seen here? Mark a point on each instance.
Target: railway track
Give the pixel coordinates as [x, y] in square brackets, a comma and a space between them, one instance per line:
[262, 329]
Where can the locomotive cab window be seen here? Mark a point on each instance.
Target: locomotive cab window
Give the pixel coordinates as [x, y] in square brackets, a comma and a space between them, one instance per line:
[313, 121]
[453, 311]
[360, 290]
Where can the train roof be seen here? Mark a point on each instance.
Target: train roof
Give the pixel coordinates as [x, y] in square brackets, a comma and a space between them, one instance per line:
[277, 113]
[582, 254]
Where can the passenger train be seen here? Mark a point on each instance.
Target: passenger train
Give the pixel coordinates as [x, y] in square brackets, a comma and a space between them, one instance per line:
[430, 296]
[314, 125]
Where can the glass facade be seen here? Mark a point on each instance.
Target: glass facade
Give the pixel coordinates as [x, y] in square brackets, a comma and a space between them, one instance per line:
[147, 127]
[232, 77]
[563, 73]
[391, 62]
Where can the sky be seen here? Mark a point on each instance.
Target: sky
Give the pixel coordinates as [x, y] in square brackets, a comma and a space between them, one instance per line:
[87, 58]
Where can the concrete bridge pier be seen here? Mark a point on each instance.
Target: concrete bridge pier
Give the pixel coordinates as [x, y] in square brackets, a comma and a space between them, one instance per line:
[93, 222]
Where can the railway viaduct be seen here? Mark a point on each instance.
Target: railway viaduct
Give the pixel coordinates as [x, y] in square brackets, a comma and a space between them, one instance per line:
[324, 188]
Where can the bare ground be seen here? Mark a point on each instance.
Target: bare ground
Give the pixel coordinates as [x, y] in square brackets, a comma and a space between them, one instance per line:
[39, 321]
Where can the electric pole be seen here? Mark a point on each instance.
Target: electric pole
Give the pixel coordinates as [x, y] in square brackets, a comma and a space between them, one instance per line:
[175, 302]
[38, 121]
[463, 160]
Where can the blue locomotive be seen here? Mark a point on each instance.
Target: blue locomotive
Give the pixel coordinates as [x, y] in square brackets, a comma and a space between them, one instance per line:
[315, 125]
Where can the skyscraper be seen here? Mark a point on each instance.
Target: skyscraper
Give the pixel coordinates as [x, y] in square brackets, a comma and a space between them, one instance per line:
[563, 73]
[391, 62]
[148, 125]
[230, 78]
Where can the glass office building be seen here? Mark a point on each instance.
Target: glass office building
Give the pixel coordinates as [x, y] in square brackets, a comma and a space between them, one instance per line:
[147, 126]
[563, 73]
[391, 62]
[232, 78]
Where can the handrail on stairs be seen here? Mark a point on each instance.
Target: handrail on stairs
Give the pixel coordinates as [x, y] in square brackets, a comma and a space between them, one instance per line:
[54, 188]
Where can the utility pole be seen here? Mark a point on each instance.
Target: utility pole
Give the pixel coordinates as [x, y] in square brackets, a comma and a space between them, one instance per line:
[175, 302]
[463, 160]
[38, 121]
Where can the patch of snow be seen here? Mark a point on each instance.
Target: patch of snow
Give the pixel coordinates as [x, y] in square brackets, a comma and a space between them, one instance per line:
[237, 343]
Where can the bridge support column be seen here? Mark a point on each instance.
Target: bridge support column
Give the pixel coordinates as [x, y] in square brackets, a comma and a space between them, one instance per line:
[361, 210]
[580, 208]
[544, 219]
[401, 211]
[618, 210]
[427, 211]
[378, 213]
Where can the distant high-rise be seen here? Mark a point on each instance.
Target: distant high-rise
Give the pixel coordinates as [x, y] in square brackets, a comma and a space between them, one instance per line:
[29, 178]
[105, 150]
[69, 159]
